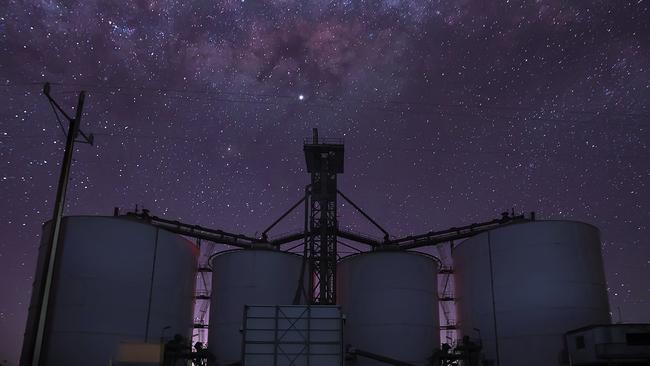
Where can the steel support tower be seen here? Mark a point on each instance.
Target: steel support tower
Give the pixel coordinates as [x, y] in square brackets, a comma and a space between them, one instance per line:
[324, 161]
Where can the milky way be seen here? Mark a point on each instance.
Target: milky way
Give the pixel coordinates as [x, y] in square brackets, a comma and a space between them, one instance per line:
[452, 111]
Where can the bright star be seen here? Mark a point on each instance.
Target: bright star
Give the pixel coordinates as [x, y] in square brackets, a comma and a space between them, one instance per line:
[301, 97]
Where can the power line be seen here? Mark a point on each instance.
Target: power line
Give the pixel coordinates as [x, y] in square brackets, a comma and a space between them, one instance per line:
[407, 106]
[503, 152]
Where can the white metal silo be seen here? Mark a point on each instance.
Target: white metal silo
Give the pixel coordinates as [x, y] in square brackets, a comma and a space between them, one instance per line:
[519, 288]
[117, 280]
[390, 302]
[247, 277]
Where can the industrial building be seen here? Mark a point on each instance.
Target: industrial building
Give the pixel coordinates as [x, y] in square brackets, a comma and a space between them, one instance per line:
[609, 344]
[515, 291]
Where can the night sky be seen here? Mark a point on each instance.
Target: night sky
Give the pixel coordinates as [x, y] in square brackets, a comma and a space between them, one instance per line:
[451, 111]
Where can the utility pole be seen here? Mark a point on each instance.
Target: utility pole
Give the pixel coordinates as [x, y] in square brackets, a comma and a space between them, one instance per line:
[38, 341]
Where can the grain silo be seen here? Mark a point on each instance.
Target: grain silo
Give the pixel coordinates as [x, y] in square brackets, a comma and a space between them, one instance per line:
[390, 302]
[246, 277]
[117, 281]
[520, 287]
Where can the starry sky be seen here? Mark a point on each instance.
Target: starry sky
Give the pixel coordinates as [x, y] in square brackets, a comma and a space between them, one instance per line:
[452, 112]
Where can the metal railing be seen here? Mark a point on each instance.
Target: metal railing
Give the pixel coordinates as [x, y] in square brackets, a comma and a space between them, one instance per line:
[323, 141]
[622, 350]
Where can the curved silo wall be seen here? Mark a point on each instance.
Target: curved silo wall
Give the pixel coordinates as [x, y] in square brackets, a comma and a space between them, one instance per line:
[390, 302]
[117, 280]
[247, 277]
[519, 288]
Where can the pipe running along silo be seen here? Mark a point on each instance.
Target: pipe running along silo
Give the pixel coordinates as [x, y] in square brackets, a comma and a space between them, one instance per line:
[520, 287]
[116, 281]
[247, 277]
[390, 302]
